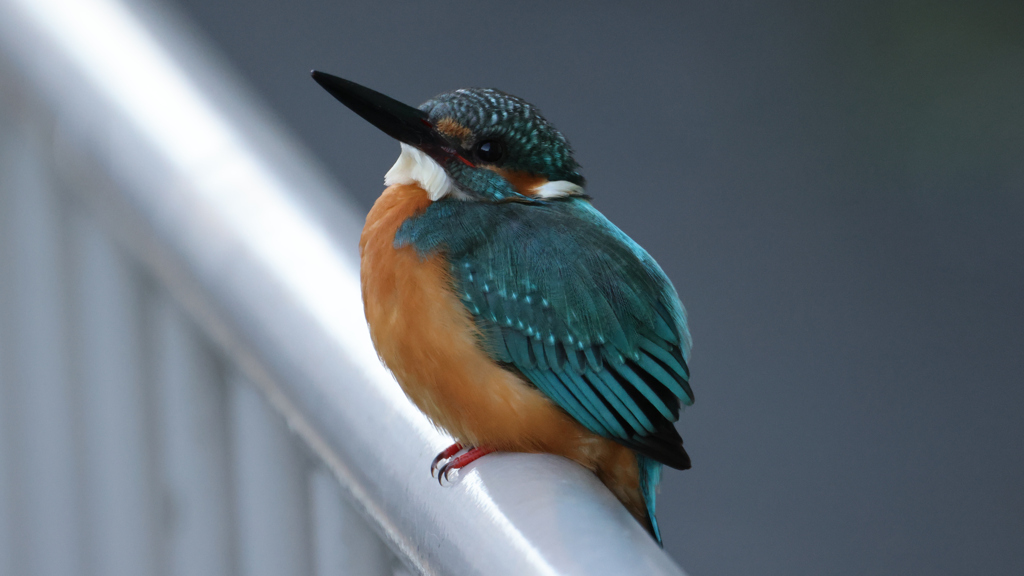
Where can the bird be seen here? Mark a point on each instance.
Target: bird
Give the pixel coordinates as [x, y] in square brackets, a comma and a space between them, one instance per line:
[513, 313]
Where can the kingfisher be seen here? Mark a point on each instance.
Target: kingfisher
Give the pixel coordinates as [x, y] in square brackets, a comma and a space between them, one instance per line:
[516, 316]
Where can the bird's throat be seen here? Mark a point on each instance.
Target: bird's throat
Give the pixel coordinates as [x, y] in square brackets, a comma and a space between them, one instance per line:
[415, 167]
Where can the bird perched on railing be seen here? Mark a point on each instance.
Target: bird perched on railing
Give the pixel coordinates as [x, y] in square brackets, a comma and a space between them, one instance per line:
[511, 311]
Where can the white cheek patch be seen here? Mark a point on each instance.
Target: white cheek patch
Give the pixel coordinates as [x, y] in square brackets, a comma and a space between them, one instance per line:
[557, 189]
[415, 167]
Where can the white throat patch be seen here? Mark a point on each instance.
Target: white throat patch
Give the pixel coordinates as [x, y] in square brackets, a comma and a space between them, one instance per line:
[415, 167]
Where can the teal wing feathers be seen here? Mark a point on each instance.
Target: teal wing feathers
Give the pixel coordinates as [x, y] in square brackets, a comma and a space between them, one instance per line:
[562, 296]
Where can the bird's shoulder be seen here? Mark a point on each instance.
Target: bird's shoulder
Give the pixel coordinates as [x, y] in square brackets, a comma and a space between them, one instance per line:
[564, 258]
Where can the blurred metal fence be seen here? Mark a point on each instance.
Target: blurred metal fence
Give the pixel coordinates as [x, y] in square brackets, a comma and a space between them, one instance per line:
[185, 374]
[130, 443]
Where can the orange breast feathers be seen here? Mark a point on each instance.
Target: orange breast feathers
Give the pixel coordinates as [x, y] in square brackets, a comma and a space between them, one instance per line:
[428, 340]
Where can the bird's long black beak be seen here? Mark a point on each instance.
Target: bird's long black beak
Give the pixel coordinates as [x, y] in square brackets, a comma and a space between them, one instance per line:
[400, 121]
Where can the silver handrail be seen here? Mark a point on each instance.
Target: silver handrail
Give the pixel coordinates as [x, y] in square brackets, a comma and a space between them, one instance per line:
[234, 220]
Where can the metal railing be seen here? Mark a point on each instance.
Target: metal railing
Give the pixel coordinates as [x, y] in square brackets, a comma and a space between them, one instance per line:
[185, 372]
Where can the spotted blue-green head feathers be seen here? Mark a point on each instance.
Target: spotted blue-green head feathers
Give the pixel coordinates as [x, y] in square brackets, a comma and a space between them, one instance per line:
[494, 129]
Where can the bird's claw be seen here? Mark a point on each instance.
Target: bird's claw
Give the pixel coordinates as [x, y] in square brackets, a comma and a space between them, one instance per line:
[445, 454]
[443, 474]
[433, 465]
[456, 463]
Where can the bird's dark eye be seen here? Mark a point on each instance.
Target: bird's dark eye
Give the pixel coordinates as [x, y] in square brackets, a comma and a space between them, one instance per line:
[490, 151]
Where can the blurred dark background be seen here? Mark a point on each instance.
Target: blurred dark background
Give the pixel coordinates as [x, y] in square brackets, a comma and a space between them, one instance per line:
[835, 188]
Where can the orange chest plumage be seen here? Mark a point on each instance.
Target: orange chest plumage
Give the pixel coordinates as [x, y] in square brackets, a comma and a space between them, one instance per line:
[406, 301]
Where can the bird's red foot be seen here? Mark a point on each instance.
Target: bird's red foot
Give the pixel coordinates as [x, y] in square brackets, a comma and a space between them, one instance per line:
[460, 461]
[444, 455]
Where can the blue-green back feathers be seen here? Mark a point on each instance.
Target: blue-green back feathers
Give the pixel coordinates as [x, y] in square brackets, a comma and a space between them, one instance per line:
[583, 312]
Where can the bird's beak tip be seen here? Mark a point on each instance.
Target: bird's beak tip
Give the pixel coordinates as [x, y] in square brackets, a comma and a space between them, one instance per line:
[398, 120]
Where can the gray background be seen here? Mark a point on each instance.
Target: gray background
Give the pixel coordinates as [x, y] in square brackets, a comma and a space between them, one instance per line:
[837, 191]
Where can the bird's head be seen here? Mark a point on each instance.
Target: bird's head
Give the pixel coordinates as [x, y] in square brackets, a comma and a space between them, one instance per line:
[474, 144]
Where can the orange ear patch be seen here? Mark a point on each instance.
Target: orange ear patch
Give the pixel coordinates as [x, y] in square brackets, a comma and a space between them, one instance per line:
[452, 128]
[524, 182]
